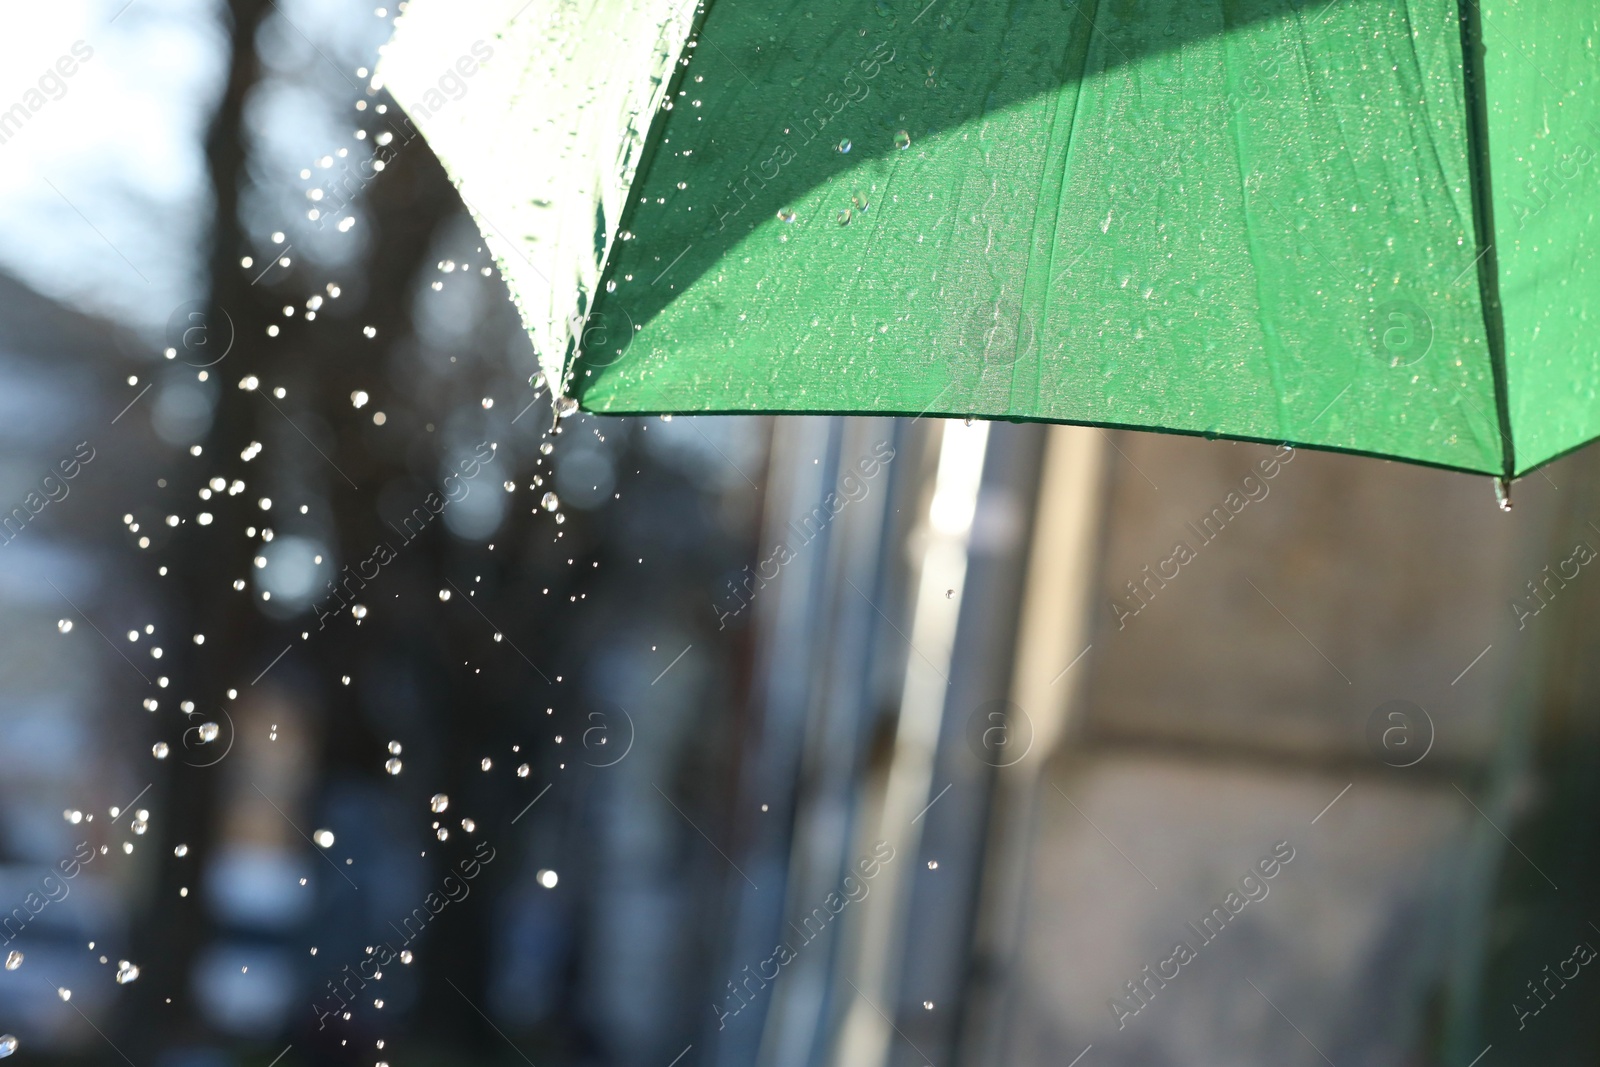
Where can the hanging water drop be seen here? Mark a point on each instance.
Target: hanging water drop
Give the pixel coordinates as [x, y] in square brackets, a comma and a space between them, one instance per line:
[565, 406]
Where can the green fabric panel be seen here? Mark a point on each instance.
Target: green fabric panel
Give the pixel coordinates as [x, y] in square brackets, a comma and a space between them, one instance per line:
[1247, 218]
[1544, 146]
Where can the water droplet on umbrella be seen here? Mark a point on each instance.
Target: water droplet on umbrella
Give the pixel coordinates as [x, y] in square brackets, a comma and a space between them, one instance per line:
[323, 838]
[159, 750]
[902, 140]
[844, 146]
[392, 765]
[785, 215]
[13, 960]
[439, 802]
[126, 972]
[8, 1045]
[861, 202]
[611, 286]
[843, 218]
[550, 502]
[65, 626]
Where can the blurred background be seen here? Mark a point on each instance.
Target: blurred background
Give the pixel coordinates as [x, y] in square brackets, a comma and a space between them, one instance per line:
[356, 711]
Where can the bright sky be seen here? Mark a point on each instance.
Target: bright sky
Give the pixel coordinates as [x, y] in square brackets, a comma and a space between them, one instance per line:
[102, 189]
[104, 200]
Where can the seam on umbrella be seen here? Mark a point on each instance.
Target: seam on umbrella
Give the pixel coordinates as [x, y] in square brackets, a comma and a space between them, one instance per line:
[1474, 59]
[1232, 134]
[1054, 220]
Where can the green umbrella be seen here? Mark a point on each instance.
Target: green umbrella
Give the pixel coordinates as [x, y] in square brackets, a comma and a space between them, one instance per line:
[1356, 225]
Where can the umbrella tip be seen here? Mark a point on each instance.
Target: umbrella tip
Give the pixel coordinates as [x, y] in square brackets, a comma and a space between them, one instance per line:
[1502, 493]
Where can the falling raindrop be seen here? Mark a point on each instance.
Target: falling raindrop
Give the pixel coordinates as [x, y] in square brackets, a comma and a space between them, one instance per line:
[548, 878]
[159, 750]
[546, 448]
[358, 611]
[8, 1045]
[13, 960]
[487, 762]
[392, 765]
[208, 732]
[927, 1005]
[468, 825]
[323, 838]
[405, 956]
[550, 502]
[65, 626]
[444, 594]
[126, 972]
[524, 770]
[902, 140]
[394, 748]
[63, 992]
[181, 851]
[438, 803]
[444, 835]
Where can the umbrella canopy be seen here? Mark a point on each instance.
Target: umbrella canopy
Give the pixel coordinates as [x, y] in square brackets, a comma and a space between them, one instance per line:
[1357, 225]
